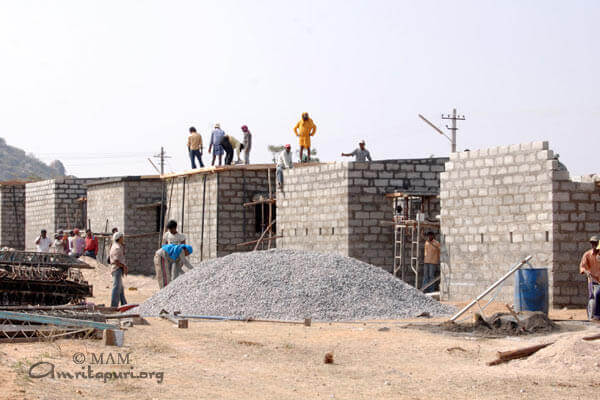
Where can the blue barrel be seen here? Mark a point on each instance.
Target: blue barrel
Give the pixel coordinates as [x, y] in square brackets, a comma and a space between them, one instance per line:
[531, 290]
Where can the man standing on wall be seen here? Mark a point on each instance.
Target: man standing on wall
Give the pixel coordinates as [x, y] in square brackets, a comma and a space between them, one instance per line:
[305, 129]
[43, 242]
[361, 154]
[91, 244]
[284, 161]
[431, 261]
[215, 144]
[590, 266]
[195, 147]
[247, 144]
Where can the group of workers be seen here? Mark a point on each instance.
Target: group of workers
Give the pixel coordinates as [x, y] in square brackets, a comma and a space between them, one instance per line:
[170, 261]
[220, 144]
[225, 144]
[70, 243]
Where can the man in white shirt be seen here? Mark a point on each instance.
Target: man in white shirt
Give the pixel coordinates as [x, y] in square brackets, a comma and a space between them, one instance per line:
[284, 161]
[43, 242]
[361, 154]
[174, 237]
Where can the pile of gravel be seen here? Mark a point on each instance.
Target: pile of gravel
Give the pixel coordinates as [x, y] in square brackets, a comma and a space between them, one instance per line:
[291, 284]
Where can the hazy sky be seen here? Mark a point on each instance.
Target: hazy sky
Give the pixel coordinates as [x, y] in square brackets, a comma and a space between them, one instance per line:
[102, 85]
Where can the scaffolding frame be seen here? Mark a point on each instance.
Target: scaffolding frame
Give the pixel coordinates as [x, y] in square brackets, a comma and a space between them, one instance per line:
[409, 222]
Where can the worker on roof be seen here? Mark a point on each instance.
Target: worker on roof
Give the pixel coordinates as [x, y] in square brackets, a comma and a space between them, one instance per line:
[284, 161]
[118, 269]
[361, 154]
[194, 145]
[215, 143]
[247, 144]
[590, 266]
[227, 148]
[237, 146]
[304, 129]
[170, 253]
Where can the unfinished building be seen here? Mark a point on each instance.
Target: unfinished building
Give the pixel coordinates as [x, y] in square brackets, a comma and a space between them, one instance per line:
[339, 207]
[504, 203]
[132, 204]
[12, 215]
[208, 204]
[55, 204]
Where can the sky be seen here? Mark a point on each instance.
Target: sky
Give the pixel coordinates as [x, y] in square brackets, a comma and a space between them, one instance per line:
[102, 85]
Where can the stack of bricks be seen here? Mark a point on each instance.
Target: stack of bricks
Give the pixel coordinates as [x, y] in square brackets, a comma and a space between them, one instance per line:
[226, 222]
[12, 216]
[128, 204]
[338, 207]
[504, 203]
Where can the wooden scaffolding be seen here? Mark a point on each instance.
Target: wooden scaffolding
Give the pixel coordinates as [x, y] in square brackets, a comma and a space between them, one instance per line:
[410, 211]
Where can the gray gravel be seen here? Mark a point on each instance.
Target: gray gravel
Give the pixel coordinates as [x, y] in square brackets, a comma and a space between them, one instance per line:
[291, 284]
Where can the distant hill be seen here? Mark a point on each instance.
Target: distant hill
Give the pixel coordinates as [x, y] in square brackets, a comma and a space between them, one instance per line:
[16, 164]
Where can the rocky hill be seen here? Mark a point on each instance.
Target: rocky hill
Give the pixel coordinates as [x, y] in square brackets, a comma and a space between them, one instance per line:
[16, 164]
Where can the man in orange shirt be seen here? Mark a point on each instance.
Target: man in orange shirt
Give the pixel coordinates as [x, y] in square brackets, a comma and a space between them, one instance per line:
[431, 261]
[590, 265]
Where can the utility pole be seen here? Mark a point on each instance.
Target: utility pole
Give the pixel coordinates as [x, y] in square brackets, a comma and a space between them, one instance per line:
[162, 156]
[454, 117]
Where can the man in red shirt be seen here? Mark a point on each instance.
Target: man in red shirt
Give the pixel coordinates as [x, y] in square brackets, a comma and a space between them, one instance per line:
[590, 265]
[91, 244]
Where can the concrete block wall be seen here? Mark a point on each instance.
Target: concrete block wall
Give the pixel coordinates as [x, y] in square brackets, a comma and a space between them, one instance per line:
[504, 203]
[348, 200]
[124, 203]
[39, 210]
[12, 216]
[312, 208]
[193, 215]
[367, 206]
[236, 223]
[53, 205]
[576, 215]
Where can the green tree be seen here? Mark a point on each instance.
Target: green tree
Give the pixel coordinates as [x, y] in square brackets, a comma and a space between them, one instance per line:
[313, 155]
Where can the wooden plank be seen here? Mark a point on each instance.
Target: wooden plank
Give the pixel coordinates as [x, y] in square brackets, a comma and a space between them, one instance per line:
[593, 337]
[257, 202]
[50, 320]
[506, 356]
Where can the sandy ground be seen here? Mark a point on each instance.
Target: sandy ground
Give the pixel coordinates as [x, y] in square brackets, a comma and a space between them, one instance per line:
[233, 360]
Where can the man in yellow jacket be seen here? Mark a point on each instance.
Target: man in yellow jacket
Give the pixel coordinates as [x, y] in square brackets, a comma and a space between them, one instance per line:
[304, 129]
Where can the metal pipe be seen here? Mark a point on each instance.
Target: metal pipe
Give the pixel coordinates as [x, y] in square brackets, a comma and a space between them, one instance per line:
[183, 205]
[202, 229]
[492, 287]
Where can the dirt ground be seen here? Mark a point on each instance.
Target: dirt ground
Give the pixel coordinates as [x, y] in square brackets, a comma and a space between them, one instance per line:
[234, 360]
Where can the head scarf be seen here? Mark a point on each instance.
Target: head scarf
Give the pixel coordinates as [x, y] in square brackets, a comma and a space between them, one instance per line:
[174, 250]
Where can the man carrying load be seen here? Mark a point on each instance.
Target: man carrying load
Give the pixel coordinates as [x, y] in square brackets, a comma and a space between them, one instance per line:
[170, 254]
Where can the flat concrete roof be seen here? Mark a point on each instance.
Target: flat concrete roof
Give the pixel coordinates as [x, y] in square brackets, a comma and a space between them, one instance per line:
[124, 179]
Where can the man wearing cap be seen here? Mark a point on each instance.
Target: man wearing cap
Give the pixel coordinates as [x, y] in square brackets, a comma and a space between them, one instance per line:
[117, 270]
[247, 142]
[284, 161]
[194, 145]
[305, 129]
[215, 143]
[431, 262]
[361, 154]
[590, 266]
